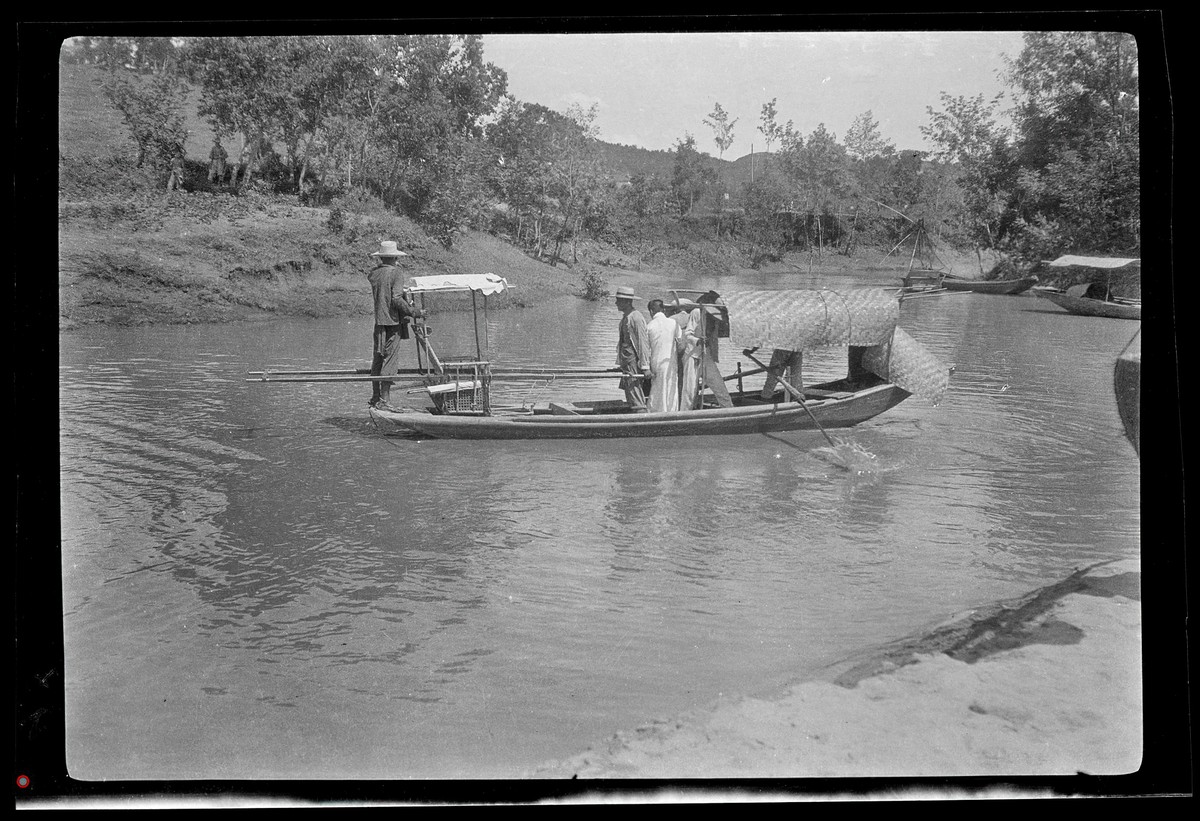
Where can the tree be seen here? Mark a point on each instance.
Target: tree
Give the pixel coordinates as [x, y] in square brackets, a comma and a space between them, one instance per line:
[153, 54]
[550, 171]
[870, 155]
[965, 134]
[106, 52]
[1074, 89]
[645, 194]
[824, 172]
[690, 177]
[1077, 118]
[331, 78]
[863, 140]
[436, 94]
[771, 130]
[244, 87]
[722, 128]
[153, 111]
[405, 112]
[769, 231]
[577, 176]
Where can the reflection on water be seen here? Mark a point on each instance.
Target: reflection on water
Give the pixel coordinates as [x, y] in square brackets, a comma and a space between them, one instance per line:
[259, 584]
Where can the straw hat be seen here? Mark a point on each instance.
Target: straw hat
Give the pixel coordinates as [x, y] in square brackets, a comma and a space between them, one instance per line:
[387, 248]
[625, 292]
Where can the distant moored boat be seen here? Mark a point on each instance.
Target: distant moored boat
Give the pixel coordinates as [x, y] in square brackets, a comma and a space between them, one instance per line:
[995, 286]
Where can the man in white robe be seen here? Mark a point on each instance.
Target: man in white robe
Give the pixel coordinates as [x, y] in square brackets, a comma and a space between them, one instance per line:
[665, 342]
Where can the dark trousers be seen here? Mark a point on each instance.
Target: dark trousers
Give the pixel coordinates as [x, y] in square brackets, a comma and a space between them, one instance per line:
[386, 359]
[635, 392]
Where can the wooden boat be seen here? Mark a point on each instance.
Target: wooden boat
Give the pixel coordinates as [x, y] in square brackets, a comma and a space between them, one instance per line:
[838, 404]
[1092, 300]
[995, 286]
[1127, 384]
[918, 281]
[885, 367]
[922, 277]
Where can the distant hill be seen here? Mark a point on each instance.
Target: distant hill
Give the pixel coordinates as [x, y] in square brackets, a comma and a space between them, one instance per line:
[623, 161]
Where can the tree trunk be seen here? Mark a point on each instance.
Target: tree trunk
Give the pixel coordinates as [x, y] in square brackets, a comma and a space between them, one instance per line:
[853, 235]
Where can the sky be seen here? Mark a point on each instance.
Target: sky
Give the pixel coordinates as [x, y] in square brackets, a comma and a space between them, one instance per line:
[651, 89]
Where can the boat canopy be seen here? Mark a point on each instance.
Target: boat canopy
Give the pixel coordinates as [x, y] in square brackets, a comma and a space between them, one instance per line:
[800, 320]
[907, 363]
[1092, 262]
[482, 283]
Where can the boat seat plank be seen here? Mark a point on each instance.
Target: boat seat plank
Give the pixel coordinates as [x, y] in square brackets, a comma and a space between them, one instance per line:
[452, 386]
[819, 393]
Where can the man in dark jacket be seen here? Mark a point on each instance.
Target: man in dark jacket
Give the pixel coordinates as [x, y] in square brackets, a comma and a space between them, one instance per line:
[216, 161]
[391, 311]
[633, 350]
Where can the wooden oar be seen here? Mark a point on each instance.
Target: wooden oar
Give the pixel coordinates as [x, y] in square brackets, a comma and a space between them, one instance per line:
[799, 397]
[503, 375]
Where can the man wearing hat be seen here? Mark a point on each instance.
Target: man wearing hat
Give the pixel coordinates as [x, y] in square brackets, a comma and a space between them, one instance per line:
[701, 355]
[633, 350]
[391, 311]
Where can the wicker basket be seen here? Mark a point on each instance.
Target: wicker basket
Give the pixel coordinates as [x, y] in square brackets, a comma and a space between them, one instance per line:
[460, 397]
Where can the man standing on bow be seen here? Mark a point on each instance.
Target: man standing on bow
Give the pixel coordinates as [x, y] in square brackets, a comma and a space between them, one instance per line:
[391, 311]
[633, 350]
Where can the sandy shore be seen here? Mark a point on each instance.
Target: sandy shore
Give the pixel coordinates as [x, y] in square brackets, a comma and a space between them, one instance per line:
[1048, 684]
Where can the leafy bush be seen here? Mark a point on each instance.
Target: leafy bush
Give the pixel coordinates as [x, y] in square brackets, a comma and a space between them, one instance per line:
[87, 176]
[361, 201]
[594, 286]
[336, 223]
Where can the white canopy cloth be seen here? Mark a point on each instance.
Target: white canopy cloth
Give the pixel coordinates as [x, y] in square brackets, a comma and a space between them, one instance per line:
[1092, 262]
[483, 283]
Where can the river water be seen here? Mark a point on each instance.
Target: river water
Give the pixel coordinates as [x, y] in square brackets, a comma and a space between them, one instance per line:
[258, 584]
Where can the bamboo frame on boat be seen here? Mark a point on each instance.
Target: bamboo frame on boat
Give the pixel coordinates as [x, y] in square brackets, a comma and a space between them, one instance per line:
[407, 374]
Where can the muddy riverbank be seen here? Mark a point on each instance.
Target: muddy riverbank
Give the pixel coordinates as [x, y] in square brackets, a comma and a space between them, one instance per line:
[1048, 684]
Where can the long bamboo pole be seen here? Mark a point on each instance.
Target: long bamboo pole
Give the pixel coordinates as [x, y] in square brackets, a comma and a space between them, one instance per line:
[345, 378]
[799, 397]
[364, 376]
[421, 371]
[475, 323]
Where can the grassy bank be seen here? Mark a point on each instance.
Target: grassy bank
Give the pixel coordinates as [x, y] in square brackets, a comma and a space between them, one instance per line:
[215, 258]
